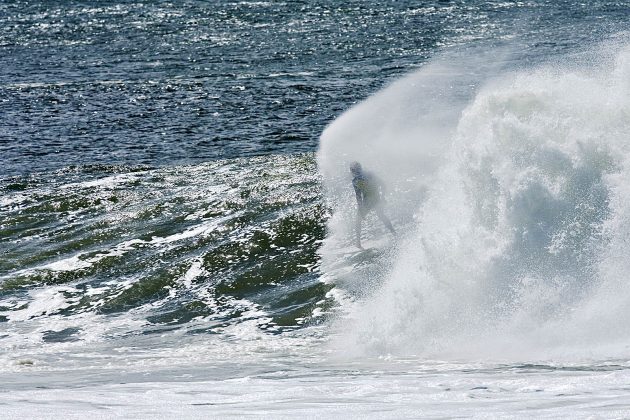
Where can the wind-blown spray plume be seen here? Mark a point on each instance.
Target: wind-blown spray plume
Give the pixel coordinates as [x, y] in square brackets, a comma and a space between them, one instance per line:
[519, 213]
[402, 134]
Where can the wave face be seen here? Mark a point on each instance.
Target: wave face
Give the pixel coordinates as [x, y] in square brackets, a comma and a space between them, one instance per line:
[512, 197]
[104, 254]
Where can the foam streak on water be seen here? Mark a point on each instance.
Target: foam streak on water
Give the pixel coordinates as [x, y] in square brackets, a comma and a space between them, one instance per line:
[434, 391]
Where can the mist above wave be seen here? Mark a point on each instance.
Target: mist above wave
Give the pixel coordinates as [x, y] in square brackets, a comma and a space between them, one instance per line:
[510, 186]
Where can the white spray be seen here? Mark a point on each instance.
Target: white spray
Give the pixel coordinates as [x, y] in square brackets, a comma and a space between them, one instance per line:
[515, 197]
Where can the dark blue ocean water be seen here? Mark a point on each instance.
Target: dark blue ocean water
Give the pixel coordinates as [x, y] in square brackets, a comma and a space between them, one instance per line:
[170, 82]
[163, 216]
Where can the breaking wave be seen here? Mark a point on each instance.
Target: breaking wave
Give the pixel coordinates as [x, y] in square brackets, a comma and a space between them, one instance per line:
[511, 189]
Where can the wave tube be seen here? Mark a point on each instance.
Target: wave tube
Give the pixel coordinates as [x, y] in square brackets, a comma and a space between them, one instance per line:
[512, 188]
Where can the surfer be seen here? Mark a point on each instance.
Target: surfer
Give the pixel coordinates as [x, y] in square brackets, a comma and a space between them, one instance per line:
[370, 192]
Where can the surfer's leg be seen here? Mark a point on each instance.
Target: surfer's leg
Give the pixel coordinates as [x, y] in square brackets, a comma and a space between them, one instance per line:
[381, 215]
[358, 227]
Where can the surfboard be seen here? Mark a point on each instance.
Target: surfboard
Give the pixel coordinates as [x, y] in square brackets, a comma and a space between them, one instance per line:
[351, 255]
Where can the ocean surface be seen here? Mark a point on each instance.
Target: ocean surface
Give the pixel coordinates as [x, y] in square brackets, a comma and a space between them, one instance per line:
[177, 216]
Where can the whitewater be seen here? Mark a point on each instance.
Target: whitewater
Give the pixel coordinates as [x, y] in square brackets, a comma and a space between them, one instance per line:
[518, 206]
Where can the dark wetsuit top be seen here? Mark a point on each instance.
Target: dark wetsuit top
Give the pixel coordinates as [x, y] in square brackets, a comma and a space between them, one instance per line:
[366, 187]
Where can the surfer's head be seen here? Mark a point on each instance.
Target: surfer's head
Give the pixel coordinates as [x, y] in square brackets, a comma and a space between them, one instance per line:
[355, 168]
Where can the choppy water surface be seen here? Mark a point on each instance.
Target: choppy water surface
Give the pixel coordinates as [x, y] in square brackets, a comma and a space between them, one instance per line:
[181, 244]
[176, 215]
[185, 81]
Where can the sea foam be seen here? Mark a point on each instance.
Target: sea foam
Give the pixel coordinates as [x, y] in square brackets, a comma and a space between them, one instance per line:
[508, 188]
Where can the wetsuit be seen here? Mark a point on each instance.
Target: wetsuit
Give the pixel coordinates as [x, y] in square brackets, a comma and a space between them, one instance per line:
[366, 188]
[368, 191]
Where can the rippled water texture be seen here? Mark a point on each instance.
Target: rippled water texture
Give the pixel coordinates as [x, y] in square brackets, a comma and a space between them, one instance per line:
[175, 245]
[176, 82]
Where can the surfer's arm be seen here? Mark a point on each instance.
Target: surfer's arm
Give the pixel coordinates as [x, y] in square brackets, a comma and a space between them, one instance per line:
[359, 194]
